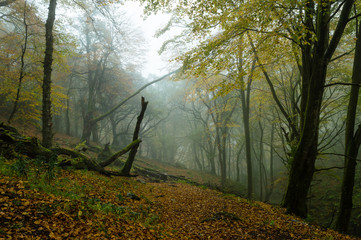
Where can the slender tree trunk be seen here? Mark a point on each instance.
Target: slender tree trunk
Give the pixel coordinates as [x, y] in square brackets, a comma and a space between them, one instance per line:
[48, 61]
[202, 159]
[67, 117]
[113, 124]
[211, 152]
[22, 66]
[352, 144]
[128, 164]
[212, 162]
[223, 155]
[220, 156]
[196, 157]
[77, 119]
[269, 192]
[245, 110]
[229, 156]
[238, 158]
[261, 161]
[87, 126]
[306, 59]
[245, 101]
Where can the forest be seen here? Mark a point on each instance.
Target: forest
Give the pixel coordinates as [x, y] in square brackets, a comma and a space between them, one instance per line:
[250, 129]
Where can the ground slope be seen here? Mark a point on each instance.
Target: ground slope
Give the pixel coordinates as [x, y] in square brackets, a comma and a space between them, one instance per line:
[86, 205]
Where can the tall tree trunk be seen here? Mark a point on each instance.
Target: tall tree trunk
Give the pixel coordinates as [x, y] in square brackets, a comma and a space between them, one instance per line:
[211, 151]
[67, 117]
[352, 144]
[306, 58]
[229, 156]
[48, 61]
[77, 119]
[195, 156]
[304, 157]
[247, 133]
[222, 154]
[303, 162]
[238, 157]
[22, 66]
[202, 159]
[212, 162]
[270, 190]
[245, 103]
[128, 164]
[87, 126]
[113, 124]
[261, 161]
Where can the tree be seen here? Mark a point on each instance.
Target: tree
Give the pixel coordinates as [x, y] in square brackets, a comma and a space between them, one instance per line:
[352, 143]
[48, 60]
[314, 30]
[91, 121]
[128, 164]
[22, 66]
[315, 59]
[245, 94]
[22, 49]
[201, 134]
[221, 110]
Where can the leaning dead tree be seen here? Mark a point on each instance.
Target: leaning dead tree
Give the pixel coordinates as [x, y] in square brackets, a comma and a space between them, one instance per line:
[128, 164]
[13, 144]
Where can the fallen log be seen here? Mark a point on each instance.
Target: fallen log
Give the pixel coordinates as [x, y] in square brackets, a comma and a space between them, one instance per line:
[119, 153]
[12, 143]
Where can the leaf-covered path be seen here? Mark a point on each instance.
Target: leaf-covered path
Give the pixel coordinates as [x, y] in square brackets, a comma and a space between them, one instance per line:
[85, 205]
[190, 212]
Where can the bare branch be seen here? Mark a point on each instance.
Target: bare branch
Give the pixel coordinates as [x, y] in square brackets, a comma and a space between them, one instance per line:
[342, 55]
[341, 155]
[343, 84]
[326, 169]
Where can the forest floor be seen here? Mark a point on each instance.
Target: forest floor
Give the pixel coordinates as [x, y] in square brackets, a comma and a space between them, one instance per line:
[79, 204]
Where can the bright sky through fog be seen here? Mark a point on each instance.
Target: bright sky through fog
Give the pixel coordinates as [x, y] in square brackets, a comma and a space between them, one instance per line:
[155, 65]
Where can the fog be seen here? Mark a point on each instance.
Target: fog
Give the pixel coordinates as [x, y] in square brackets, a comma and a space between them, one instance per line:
[227, 115]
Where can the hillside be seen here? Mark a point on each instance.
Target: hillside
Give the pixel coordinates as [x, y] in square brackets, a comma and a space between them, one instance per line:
[39, 201]
[86, 205]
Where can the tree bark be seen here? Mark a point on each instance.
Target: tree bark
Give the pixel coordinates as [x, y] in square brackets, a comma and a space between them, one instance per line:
[238, 178]
[270, 190]
[246, 126]
[210, 152]
[352, 144]
[120, 153]
[260, 166]
[48, 61]
[245, 94]
[128, 164]
[304, 157]
[222, 156]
